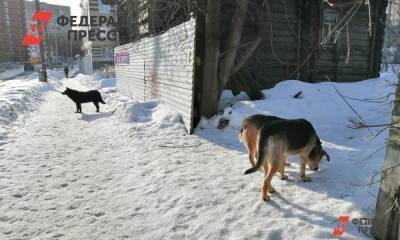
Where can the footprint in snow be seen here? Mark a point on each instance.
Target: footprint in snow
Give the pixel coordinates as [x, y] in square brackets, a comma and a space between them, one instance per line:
[99, 213]
[17, 195]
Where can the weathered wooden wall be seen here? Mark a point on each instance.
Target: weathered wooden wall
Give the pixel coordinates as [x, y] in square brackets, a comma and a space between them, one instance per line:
[386, 223]
[279, 52]
[291, 33]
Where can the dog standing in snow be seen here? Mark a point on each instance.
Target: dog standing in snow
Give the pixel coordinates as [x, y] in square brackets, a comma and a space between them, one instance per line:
[249, 130]
[84, 97]
[276, 139]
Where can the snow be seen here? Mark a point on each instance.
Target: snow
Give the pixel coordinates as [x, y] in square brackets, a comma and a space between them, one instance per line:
[149, 114]
[132, 172]
[19, 96]
[8, 71]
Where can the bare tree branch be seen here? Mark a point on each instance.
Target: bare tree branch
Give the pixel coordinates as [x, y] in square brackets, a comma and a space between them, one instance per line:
[246, 56]
[349, 105]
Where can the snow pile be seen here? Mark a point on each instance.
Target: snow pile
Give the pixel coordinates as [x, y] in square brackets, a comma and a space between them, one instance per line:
[340, 187]
[22, 95]
[51, 75]
[149, 114]
[318, 103]
[105, 85]
[104, 74]
[140, 114]
[8, 71]
[227, 99]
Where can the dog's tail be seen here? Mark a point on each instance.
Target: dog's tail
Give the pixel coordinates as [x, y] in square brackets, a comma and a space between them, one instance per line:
[260, 155]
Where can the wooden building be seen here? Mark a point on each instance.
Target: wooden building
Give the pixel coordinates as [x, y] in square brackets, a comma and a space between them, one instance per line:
[295, 42]
[292, 33]
[300, 39]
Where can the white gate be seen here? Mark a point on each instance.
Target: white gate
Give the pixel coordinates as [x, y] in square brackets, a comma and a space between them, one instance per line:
[160, 67]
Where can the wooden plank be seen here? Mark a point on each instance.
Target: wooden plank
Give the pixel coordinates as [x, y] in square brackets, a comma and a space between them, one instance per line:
[351, 77]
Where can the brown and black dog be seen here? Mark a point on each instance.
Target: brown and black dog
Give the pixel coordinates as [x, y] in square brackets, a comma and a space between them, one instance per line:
[249, 131]
[276, 139]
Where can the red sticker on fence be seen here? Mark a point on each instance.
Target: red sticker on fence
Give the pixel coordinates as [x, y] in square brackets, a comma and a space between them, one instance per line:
[122, 58]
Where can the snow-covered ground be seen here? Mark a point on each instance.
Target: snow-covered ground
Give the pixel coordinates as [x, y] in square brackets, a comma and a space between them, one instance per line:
[132, 172]
[18, 96]
[11, 70]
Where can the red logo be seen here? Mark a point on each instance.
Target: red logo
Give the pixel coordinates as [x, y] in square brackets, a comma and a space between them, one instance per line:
[42, 18]
[338, 230]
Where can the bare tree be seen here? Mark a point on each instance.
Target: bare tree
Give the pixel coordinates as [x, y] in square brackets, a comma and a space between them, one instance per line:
[220, 66]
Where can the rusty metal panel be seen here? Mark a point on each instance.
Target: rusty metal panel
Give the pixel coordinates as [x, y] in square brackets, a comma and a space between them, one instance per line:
[160, 67]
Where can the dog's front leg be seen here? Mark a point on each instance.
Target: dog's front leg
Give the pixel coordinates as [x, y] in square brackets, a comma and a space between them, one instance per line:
[303, 176]
[77, 107]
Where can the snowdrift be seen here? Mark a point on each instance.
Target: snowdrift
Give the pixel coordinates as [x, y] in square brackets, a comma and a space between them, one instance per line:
[355, 154]
[149, 114]
[22, 95]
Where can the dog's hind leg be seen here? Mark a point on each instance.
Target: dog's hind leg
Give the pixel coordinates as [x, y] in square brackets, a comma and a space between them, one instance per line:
[97, 106]
[252, 149]
[247, 142]
[282, 169]
[275, 157]
[270, 188]
[272, 169]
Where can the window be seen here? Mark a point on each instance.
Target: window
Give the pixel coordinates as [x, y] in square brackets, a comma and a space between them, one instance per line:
[7, 13]
[328, 23]
[104, 8]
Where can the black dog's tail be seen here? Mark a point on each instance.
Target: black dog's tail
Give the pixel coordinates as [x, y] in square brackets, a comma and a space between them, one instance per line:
[260, 155]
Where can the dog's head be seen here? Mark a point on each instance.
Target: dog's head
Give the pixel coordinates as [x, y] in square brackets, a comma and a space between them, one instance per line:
[66, 91]
[315, 156]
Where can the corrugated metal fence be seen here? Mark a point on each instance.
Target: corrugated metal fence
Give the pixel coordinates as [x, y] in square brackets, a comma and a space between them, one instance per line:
[160, 67]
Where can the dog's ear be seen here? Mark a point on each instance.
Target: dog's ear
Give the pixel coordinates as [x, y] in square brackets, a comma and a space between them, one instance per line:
[324, 153]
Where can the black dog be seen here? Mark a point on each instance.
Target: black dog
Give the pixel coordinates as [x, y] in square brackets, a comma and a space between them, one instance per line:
[84, 97]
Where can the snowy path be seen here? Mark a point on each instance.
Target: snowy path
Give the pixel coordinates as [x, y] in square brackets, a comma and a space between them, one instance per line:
[70, 176]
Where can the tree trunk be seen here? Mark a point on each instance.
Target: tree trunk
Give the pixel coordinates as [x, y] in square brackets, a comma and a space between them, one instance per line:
[217, 71]
[210, 87]
[232, 43]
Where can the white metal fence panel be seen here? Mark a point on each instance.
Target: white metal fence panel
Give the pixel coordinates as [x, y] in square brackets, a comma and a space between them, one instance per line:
[160, 67]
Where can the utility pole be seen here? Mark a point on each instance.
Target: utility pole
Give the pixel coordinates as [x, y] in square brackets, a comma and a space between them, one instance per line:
[42, 71]
[46, 34]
